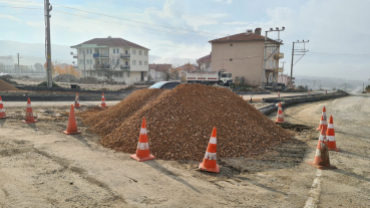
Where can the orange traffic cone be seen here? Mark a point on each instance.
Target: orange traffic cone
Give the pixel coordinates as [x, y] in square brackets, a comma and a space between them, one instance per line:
[209, 163]
[330, 135]
[280, 118]
[2, 110]
[323, 124]
[142, 151]
[29, 114]
[322, 160]
[72, 125]
[103, 105]
[77, 101]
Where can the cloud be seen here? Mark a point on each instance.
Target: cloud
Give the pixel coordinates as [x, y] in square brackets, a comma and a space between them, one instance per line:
[9, 17]
[225, 1]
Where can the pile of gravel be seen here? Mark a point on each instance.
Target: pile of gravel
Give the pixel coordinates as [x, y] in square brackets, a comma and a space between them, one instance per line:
[180, 122]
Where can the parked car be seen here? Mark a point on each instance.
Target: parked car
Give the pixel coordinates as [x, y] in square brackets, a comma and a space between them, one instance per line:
[165, 85]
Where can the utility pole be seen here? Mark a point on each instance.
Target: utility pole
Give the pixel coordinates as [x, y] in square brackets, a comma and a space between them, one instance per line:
[19, 70]
[48, 8]
[301, 52]
[268, 45]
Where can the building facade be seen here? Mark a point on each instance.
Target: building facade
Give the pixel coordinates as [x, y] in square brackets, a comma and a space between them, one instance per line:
[243, 56]
[6, 64]
[159, 72]
[113, 58]
[285, 79]
[205, 63]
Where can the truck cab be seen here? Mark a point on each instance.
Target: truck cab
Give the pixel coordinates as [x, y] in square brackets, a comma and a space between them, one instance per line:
[225, 78]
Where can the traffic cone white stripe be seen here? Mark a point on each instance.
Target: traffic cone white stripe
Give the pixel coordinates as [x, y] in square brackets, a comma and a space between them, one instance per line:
[330, 138]
[322, 122]
[213, 140]
[331, 126]
[322, 137]
[142, 146]
[1, 102]
[318, 153]
[2, 110]
[210, 156]
[280, 116]
[280, 109]
[28, 105]
[143, 131]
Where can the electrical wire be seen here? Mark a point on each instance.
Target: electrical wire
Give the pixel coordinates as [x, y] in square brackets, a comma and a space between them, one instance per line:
[166, 11]
[339, 54]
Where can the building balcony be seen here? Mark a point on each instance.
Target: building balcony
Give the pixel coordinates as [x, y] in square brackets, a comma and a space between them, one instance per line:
[125, 68]
[97, 55]
[101, 66]
[279, 70]
[278, 56]
[125, 55]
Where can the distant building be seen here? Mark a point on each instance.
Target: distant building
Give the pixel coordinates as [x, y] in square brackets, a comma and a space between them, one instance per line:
[6, 64]
[186, 68]
[204, 63]
[158, 72]
[285, 79]
[114, 58]
[242, 55]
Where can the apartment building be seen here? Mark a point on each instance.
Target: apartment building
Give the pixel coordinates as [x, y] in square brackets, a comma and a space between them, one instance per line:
[113, 58]
[243, 55]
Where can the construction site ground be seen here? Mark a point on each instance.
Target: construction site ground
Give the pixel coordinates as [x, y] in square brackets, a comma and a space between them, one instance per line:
[42, 167]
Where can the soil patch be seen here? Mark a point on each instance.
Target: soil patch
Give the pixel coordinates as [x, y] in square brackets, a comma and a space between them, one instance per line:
[180, 122]
[6, 87]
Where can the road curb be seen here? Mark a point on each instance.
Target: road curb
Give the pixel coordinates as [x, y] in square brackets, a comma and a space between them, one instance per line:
[293, 100]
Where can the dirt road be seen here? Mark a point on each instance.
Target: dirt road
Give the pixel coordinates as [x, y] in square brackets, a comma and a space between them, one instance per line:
[41, 167]
[348, 186]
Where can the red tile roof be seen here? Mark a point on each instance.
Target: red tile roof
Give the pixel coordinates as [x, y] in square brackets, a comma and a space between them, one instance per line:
[160, 67]
[207, 58]
[111, 42]
[187, 67]
[241, 37]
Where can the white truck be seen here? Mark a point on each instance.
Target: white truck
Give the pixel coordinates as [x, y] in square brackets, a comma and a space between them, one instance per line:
[203, 77]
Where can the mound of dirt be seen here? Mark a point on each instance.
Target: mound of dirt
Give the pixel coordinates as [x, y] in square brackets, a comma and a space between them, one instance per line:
[6, 87]
[65, 78]
[89, 80]
[180, 122]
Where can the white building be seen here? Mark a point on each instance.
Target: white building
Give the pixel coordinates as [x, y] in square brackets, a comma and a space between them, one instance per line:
[113, 58]
[6, 64]
[158, 72]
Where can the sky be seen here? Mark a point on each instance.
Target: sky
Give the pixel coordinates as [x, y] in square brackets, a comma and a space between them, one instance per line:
[178, 31]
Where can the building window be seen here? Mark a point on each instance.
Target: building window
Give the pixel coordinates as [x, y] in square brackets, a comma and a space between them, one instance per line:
[79, 50]
[114, 50]
[133, 62]
[121, 74]
[140, 52]
[140, 63]
[231, 59]
[80, 62]
[146, 53]
[231, 44]
[128, 74]
[126, 52]
[117, 50]
[145, 63]
[99, 74]
[133, 51]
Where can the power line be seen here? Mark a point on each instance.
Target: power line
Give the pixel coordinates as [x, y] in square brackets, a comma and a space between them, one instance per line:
[340, 54]
[161, 31]
[105, 15]
[20, 7]
[168, 11]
